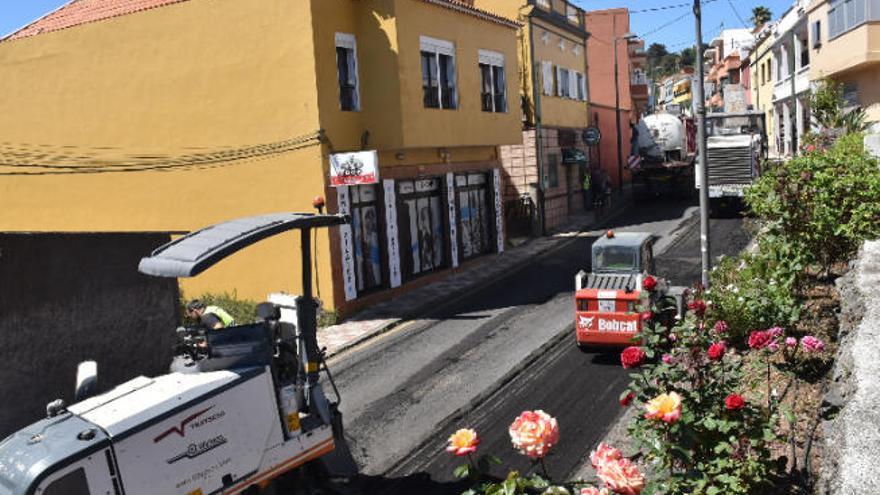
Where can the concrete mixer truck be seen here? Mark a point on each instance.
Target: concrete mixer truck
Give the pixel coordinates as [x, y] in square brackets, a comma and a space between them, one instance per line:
[663, 164]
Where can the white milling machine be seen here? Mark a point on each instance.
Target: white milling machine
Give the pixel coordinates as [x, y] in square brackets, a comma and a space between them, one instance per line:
[241, 406]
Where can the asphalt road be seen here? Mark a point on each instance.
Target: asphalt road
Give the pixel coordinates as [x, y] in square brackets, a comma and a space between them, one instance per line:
[481, 360]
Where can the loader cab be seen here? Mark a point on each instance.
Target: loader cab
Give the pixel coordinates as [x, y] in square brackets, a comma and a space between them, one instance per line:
[623, 253]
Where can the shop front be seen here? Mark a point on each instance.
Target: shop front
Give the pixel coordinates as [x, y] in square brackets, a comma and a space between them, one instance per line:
[407, 231]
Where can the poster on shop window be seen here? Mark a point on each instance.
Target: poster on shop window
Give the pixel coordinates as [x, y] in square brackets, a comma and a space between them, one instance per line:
[353, 169]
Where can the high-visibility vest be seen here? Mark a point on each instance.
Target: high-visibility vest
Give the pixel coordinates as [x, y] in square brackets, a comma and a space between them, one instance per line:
[220, 313]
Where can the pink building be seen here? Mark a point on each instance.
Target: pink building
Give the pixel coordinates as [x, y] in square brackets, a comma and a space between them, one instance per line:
[607, 29]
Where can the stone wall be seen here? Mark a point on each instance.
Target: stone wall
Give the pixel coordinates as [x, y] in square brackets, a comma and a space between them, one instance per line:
[851, 418]
[66, 298]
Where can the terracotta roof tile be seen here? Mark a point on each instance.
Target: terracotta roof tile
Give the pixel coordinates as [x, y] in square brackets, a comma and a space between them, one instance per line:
[77, 12]
[468, 8]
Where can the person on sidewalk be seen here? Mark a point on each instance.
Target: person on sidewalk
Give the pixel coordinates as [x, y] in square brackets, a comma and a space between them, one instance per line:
[209, 317]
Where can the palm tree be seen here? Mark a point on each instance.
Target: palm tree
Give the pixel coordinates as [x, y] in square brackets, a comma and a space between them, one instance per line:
[761, 15]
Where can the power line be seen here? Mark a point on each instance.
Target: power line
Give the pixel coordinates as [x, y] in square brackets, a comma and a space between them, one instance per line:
[668, 7]
[664, 26]
[732, 6]
[28, 161]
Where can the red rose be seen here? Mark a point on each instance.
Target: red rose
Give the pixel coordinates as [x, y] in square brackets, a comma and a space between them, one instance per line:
[698, 307]
[650, 283]
[734, 402]
[759, 339]
[627, 399]
[632, 357]
[647, 316]
[716, 351]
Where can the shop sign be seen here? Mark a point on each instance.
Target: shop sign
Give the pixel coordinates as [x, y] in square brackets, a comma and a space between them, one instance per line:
[352, 169]
[592, 136]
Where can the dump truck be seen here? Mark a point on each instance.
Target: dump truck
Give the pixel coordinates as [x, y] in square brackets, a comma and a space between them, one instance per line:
[736, 146]
[240, 407]
[609, 298]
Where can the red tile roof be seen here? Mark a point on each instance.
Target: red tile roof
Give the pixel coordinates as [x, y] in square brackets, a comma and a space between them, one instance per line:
[467, 8]
[77, 12]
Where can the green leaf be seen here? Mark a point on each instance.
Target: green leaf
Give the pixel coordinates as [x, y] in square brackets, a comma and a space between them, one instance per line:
[462, 471]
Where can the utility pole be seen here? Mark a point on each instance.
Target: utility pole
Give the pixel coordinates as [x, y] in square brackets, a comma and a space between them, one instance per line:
[614, 41]
[700, 99]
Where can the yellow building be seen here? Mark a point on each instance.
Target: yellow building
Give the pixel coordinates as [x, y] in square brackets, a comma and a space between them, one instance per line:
[552, 54]
[844, 41]
[163, 116]
[761, 67]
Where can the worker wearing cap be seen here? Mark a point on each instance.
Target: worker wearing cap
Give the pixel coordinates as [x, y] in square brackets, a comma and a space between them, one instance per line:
[210, 317]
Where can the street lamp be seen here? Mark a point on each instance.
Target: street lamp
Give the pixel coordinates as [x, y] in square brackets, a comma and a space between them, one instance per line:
[627, 36]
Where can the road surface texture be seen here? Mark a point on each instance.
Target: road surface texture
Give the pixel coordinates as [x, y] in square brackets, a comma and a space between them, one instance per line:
[481, 360]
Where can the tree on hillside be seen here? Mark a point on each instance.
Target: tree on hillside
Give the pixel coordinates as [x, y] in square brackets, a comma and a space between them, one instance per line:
[761, 15]
[688, 57]
[655, 53]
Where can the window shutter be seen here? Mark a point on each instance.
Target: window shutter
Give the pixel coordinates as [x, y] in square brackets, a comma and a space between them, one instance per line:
[559, 81]
[572, 85]
[583, 87]
[547, 76]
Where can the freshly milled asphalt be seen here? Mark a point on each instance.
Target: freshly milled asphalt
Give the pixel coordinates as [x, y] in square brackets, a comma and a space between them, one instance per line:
[483, 359]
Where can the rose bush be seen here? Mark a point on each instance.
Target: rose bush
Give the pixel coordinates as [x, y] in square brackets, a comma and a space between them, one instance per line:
[688, 429]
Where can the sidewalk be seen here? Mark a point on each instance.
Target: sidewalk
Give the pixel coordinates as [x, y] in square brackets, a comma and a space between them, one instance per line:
[480, 273]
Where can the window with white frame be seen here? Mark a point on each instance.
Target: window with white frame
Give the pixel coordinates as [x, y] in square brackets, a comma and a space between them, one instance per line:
[346, 67]
[563, 83]
[493, 87]
[543, 3]
[438, 73]
[547, 77]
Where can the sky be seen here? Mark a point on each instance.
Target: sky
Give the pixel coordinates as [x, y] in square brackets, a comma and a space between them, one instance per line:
[676, 35]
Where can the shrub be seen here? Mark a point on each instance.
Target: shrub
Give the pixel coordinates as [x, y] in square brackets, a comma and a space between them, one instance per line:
[824, 203]
[245, 310]
[696, 428]
[759, 290]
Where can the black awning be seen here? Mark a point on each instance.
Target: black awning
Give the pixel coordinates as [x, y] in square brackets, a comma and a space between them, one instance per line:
[573, 156]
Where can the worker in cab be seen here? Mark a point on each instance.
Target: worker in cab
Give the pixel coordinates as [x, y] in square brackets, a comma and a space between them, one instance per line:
[209, 317]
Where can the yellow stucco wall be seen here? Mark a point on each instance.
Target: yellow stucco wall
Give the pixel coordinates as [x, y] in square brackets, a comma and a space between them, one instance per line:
[208, 76]
[198, 76]
[556, 111]
[468, 125]
[762, 92]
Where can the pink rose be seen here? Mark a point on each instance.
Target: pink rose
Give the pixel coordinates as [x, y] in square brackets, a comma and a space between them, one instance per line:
[773, 346]
[622, 477]
[791, 342]
[534, 433]
[672, 337]
[812, 344]
[667, 358]
[775, 331]
[604, 454]
[721, 326]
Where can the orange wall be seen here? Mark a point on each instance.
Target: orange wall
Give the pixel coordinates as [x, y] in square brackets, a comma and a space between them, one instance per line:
[600, 53]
